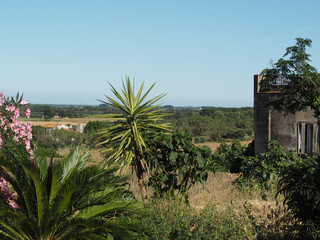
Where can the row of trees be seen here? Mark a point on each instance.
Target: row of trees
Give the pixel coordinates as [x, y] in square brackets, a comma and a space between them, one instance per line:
[215, 124]
[49, 111]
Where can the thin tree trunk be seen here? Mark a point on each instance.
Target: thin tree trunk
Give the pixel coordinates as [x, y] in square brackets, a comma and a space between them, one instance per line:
[139, 173]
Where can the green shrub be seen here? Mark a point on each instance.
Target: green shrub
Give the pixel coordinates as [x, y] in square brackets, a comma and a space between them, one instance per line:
[203, 139]
[176, 163]
[197, 139]
[228, 158]
[300, 186]
[171, 220]
[268, 165]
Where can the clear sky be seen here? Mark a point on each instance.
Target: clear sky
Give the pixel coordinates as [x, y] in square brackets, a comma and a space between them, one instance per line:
[201, 52]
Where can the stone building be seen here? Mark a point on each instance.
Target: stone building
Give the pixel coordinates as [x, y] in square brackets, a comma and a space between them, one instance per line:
[298, 132]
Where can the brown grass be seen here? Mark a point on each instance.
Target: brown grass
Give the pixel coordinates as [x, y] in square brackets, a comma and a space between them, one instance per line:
[66, 121]
[214, 145]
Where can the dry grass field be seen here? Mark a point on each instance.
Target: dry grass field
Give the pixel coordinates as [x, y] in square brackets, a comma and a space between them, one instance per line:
[214, 145]
[66, 121]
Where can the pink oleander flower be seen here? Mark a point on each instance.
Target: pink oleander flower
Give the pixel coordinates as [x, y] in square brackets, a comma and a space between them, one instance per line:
[24, 102]
[27, 113]
[17, 113]
[29, 135]
[15, 138]
[10, 108]
[27, 143]
[13, 204]
[2, 122]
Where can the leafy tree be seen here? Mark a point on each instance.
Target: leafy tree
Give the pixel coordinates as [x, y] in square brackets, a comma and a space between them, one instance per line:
[124, 142]
[176, 163]
[48, 113]
[62, 113]
[298, 81]
[64, 200]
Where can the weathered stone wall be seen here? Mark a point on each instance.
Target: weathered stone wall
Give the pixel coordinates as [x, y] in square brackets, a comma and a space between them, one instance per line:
[270, 124]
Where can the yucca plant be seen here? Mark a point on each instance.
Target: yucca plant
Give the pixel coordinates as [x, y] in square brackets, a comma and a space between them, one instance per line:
[124, 142]
[67, 199]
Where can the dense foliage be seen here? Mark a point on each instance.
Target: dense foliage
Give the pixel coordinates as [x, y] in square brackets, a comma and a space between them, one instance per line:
[261, 168]
[229, 157]
[63, 200]
[66, 199]
[176, 163]
[300, 186]
[91, 130]
[298, 81]
[215, 124]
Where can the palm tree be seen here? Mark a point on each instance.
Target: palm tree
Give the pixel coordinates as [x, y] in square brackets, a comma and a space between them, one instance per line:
[125, 142]
[68, 199]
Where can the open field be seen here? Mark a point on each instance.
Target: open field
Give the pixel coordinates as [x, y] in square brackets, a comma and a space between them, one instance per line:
[66, 121]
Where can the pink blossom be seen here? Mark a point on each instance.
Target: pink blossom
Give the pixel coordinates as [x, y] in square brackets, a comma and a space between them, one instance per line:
[27, 143]
[24, 102]
[1, 141]
[22, 133]
[29, 126]
[27, 113]
[15, 138]
[17, 113]
[3, 122]
[13, 204]
[10, 108]
[29, 135]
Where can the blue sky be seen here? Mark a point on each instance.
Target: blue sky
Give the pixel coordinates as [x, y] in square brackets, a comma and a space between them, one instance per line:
[201, 53]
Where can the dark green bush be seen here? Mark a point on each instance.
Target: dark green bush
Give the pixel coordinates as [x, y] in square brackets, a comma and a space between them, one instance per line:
[176, 163]
[197, 139]
[300, 186]
[228, 158]
[268, 165]
[203, 139]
